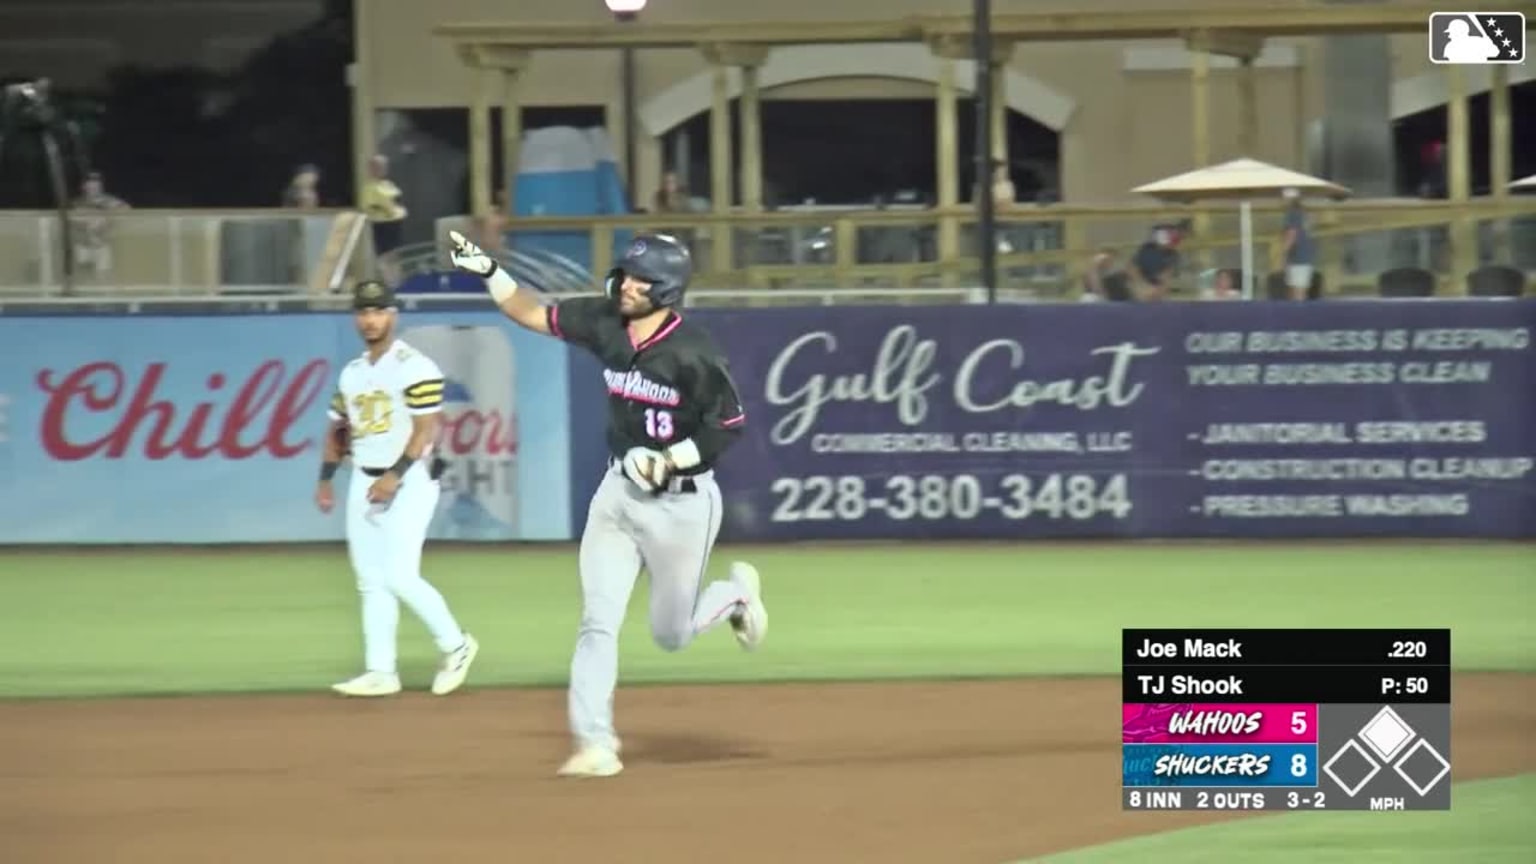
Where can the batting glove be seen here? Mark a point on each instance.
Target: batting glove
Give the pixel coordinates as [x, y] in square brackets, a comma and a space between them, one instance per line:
[470, 258]
[645, 468]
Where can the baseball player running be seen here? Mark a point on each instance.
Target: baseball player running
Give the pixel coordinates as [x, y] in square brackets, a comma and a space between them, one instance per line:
[672, 412]
[386, 410]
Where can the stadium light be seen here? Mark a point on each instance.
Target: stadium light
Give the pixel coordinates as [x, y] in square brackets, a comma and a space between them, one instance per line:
[625, 10]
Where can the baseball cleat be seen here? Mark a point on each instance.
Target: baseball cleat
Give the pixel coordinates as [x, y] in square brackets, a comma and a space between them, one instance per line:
[592, 761]
[751, 622]
[455, 667]
[370, 684]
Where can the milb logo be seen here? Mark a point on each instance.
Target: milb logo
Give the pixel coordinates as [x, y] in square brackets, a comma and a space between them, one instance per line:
[1476, 38]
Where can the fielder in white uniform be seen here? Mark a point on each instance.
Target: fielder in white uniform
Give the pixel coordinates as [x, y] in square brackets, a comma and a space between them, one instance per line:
[386, 410]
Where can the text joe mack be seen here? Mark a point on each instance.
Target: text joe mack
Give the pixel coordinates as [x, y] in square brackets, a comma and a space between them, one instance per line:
[1194, 649]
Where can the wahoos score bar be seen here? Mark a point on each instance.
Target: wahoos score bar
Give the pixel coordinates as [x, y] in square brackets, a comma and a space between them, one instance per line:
[1286, 719]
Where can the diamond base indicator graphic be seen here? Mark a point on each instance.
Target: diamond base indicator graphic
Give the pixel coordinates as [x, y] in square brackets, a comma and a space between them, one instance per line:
[1301, 720]
[1351, 768]
[1397, 759]
[1430, 766]
[1386, 733]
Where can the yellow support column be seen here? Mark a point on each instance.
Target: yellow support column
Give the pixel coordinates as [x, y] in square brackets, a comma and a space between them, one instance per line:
[1248, 108]
[512, 65]
[722, 58]
[1203, 45]
[1002, 55]
[722, 248]
[1459, 152]
[750, 110]
[1200, 107]
[1500, 161]
[748, 169]
[479, 132]
[1200, 117]
[360, 76]
[947, 154]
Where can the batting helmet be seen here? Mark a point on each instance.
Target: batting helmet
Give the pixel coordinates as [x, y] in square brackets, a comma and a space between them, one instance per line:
[659, 259]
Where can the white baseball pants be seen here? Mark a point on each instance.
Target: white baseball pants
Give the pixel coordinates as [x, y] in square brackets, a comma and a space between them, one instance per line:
[384, 543]
[670, 535]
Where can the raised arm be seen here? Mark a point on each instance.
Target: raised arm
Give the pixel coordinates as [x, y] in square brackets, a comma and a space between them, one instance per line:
[522, 306]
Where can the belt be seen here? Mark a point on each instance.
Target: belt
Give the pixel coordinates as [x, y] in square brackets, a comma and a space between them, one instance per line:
[679, 484]
[434, 469]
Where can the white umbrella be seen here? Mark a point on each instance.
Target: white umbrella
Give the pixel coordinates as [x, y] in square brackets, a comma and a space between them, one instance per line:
[1527, 183]
[1244, 180]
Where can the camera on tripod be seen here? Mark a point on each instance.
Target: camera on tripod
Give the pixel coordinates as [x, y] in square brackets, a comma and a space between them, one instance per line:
[32, 125]
[28, 104]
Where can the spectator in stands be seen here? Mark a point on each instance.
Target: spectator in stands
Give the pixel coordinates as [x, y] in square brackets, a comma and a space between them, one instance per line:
[1003, 193]
[303, 190]
[671, 196]
[1155, 264]
[92, 227]
[1432, 173]
[381, 202]
[1096, 280]
[1296, 242]
[1010, 236]
[1219, 284]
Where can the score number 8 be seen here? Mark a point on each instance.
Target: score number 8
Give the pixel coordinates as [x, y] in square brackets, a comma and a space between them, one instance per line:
[1299, 727]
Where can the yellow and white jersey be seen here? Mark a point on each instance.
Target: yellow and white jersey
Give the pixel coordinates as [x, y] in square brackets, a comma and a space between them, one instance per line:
[378, 400]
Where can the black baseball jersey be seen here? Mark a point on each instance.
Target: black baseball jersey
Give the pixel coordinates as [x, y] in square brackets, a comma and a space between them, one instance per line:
[672, 386]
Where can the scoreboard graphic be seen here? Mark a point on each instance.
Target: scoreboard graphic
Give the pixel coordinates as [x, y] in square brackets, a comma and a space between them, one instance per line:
[1286, 719]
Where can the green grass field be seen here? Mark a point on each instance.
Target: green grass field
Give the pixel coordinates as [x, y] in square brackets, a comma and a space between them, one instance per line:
[105, 622]
[196, 621]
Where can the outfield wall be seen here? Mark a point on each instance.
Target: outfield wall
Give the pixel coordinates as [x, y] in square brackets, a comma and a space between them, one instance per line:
[1266, 420]
[207, 428]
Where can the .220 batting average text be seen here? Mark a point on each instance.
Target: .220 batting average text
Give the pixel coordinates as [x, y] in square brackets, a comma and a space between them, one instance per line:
[960, 496]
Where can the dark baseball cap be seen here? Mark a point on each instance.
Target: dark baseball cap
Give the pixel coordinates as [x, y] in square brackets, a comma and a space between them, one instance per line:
[373, 294]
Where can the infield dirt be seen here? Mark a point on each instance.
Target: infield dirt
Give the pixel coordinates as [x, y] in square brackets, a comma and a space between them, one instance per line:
[982, 772]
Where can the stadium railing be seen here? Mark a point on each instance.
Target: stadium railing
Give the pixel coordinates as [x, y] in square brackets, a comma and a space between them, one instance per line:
[850, 254]
[914, 255]
[1044, 249]
[180, 252]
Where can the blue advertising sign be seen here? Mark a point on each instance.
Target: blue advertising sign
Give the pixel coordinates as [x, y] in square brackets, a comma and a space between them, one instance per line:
[206, 429]
[1269, 420]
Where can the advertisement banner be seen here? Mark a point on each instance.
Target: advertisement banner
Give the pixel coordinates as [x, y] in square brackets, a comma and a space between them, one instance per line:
[207, 429]
[1265, 420]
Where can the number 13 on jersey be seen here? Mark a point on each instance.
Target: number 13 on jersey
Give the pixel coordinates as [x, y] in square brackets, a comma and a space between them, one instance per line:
[658, 424]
